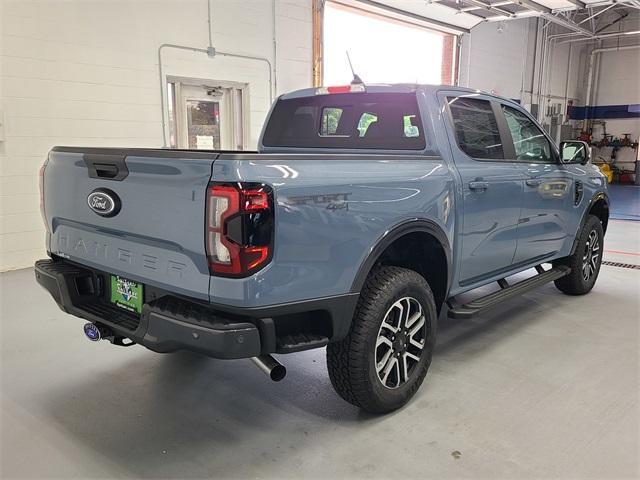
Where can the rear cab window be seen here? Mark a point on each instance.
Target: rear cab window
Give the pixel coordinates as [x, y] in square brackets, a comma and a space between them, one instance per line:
[384, 121]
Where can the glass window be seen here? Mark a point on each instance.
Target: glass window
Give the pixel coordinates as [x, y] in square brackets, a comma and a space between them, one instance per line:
[528, 140]
[476, 127]
[385, 121]
[330, 120]
[203, 124]
[366, 119]
[410, 128]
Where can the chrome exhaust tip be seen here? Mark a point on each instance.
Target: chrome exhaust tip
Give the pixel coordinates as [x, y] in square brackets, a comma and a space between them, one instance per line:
[269, 365]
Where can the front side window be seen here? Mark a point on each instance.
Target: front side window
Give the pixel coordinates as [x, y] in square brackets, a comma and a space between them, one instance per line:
[476, 128]
[528, 140]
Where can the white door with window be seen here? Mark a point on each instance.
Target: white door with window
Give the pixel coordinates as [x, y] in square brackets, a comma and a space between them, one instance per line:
[207, 117]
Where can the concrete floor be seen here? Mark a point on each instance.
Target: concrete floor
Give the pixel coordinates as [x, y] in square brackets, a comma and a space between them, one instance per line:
[546, 386]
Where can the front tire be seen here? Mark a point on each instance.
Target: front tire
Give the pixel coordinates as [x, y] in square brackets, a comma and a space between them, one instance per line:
[383, 360]
[585, 261]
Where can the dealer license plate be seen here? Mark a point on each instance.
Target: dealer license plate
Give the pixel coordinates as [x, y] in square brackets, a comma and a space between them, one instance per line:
[126, 294]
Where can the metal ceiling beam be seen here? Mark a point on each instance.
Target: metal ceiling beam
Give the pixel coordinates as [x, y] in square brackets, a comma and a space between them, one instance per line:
[578, 3]
[599, 12]
[488, 7]
[398, 12]
[493, 4]
[567, 24]
[546, 13]
[619, 19]
[531, 5]
[473, 14]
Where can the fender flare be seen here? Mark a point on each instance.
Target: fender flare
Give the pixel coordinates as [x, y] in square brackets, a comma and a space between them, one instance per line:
[596, 198]
[393, 234]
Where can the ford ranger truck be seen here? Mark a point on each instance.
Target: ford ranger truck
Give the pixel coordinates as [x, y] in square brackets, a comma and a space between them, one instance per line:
[363, 215]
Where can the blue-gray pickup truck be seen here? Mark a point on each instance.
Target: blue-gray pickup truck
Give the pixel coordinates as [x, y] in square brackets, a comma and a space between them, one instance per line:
[363, 215]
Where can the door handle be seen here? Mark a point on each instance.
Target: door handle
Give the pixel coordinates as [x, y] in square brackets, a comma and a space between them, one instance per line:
[533, 183]
[479, 186]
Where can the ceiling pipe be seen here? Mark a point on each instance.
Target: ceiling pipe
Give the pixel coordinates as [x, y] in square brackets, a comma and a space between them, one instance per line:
[600, 37]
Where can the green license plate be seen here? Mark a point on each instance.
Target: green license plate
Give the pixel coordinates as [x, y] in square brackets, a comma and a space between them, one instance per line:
[126, 294]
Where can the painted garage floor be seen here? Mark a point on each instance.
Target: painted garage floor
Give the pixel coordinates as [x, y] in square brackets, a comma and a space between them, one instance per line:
[546, 386]
[625, 201]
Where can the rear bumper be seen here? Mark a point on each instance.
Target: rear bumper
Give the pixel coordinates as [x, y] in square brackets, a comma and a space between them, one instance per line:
[170, 323]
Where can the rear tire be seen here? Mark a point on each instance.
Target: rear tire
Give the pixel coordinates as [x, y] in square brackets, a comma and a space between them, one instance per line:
[383, 360]
[585, 261]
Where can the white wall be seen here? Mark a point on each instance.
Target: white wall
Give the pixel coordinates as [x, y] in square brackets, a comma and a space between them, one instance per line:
[618, 83]
[492, 57]
[85, 73]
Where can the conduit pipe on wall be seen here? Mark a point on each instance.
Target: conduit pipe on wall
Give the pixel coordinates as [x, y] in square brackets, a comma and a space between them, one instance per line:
[212, 52]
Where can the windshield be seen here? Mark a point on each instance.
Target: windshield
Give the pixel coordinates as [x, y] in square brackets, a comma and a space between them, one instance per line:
[386, 121]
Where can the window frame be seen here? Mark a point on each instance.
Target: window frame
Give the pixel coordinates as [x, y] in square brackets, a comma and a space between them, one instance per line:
[507, 145]
[553, 148]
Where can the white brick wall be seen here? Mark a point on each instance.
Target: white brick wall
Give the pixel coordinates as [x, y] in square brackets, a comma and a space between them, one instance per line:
[84, 72]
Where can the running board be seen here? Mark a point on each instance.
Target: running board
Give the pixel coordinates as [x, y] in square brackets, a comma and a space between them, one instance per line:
[479, 305]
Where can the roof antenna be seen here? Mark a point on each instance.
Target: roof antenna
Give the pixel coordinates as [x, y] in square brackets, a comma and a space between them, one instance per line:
[356, 79]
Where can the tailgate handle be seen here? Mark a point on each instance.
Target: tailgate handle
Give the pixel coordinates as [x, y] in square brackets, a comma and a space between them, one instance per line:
[106, 166]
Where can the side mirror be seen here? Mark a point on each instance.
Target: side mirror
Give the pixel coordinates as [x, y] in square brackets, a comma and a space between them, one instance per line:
[575, 151]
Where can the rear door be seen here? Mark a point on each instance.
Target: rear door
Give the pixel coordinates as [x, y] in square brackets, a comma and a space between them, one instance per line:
[154, 236]
[548, 197]
[491, 186]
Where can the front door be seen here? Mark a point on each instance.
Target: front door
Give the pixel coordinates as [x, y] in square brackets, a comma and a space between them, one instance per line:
[491, 187]
[547, 208]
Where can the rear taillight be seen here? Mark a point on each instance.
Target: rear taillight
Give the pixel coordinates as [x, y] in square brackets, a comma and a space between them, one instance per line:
[41, 188]
[239, 228]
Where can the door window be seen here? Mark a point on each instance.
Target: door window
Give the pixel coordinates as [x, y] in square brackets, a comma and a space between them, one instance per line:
[528, 140]
[203, 125]
[476, 128]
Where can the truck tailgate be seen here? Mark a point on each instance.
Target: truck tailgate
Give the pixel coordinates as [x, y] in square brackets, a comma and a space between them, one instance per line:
[156, 237]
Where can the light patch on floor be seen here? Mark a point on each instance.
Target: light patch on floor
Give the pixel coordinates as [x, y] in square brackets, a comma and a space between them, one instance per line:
[545, 386]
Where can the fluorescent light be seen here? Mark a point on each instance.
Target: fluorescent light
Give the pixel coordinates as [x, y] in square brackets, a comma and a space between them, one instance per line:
[635, 32]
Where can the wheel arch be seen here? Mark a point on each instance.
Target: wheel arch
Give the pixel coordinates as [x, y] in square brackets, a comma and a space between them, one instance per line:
[598, 206]
[418, 244]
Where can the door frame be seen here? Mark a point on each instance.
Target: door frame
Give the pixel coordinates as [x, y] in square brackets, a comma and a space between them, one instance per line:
[239, 139]
[463, 284]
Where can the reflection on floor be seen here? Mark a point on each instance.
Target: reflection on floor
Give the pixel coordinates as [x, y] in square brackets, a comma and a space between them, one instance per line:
[625, 201]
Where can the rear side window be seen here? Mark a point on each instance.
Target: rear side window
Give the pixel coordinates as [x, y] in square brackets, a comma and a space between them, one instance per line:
[476, 127]
[384, 121]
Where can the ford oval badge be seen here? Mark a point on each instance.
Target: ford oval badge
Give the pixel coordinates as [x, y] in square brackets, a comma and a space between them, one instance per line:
[92, 332]
[104, 202]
